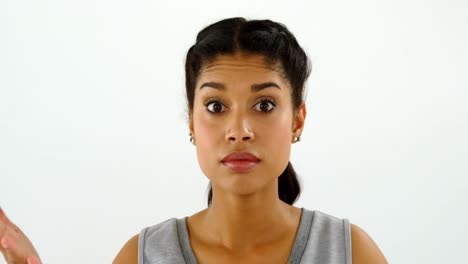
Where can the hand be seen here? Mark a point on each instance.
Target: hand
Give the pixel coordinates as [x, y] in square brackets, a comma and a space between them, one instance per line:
[14, 244]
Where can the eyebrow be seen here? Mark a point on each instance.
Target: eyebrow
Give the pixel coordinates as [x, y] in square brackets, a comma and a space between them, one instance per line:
[253, 87]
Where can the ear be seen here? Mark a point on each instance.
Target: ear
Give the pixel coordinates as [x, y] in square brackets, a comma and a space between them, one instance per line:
[299, 119]
[191, 124]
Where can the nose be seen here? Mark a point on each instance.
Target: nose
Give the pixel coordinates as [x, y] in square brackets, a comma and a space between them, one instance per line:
[239, 129]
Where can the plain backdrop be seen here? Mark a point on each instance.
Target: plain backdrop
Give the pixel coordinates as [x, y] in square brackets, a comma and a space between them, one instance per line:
[94, 140]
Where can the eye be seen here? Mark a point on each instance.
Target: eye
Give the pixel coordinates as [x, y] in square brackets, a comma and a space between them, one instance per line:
[265, 105]
[215, 107]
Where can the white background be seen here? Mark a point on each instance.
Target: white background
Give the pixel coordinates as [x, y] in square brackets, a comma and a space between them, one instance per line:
[94, 140]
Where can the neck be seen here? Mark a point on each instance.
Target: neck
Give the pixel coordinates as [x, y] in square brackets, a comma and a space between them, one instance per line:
[242, 222]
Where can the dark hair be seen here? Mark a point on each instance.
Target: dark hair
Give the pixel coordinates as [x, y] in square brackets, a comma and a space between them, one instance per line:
[276, 44]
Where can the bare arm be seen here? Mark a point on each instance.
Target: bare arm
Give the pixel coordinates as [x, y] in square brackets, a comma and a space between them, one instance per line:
[364, 248]
[129, 252]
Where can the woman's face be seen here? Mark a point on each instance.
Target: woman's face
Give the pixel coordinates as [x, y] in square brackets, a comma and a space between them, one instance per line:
[243, 107]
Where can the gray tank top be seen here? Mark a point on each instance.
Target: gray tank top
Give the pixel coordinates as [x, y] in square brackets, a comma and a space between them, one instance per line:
[321, 238]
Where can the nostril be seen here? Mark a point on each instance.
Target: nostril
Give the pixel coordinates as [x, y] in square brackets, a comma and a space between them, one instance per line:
[234, 138]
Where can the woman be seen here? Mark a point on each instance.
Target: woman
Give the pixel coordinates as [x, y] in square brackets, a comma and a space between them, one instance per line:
[245, 84]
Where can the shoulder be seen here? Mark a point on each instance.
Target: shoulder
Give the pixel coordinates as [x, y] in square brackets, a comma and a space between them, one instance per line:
[129, 252]
[157, 236]
[364, 249]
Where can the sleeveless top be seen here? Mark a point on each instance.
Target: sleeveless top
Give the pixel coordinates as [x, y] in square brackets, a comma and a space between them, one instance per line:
[320, 238]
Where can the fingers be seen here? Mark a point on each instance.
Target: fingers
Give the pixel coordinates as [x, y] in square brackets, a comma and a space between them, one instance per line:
[14, 244]
[11, 254]
[9, 257]
[8, 250]
[3, 217]
[33, 260]
[6, 221]
[7, 243]
[3, 225]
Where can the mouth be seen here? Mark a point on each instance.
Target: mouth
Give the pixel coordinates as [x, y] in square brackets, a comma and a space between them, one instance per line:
[241, 161]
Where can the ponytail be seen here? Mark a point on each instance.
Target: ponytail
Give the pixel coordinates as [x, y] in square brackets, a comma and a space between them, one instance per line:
[289, 188]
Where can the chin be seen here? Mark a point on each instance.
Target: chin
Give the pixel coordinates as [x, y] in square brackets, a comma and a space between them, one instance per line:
[244, 184]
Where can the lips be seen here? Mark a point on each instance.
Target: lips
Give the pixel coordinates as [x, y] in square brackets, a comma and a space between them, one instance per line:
[240, 161]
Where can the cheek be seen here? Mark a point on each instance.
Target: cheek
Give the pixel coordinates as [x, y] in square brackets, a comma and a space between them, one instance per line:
[277, 140]
[278, 130]
[209, 135]
[208, 130]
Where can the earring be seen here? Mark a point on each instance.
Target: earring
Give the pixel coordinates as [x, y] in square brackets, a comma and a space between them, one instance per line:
[296, 139]
[192, 139]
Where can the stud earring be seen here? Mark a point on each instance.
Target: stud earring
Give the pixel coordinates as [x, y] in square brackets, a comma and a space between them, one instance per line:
[192, 139]
[296, 139]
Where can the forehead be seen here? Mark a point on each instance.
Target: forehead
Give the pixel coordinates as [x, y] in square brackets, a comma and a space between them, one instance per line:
[240, 68]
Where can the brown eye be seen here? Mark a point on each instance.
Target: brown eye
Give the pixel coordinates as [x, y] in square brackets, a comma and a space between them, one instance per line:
[265, 106]
[215, 107]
